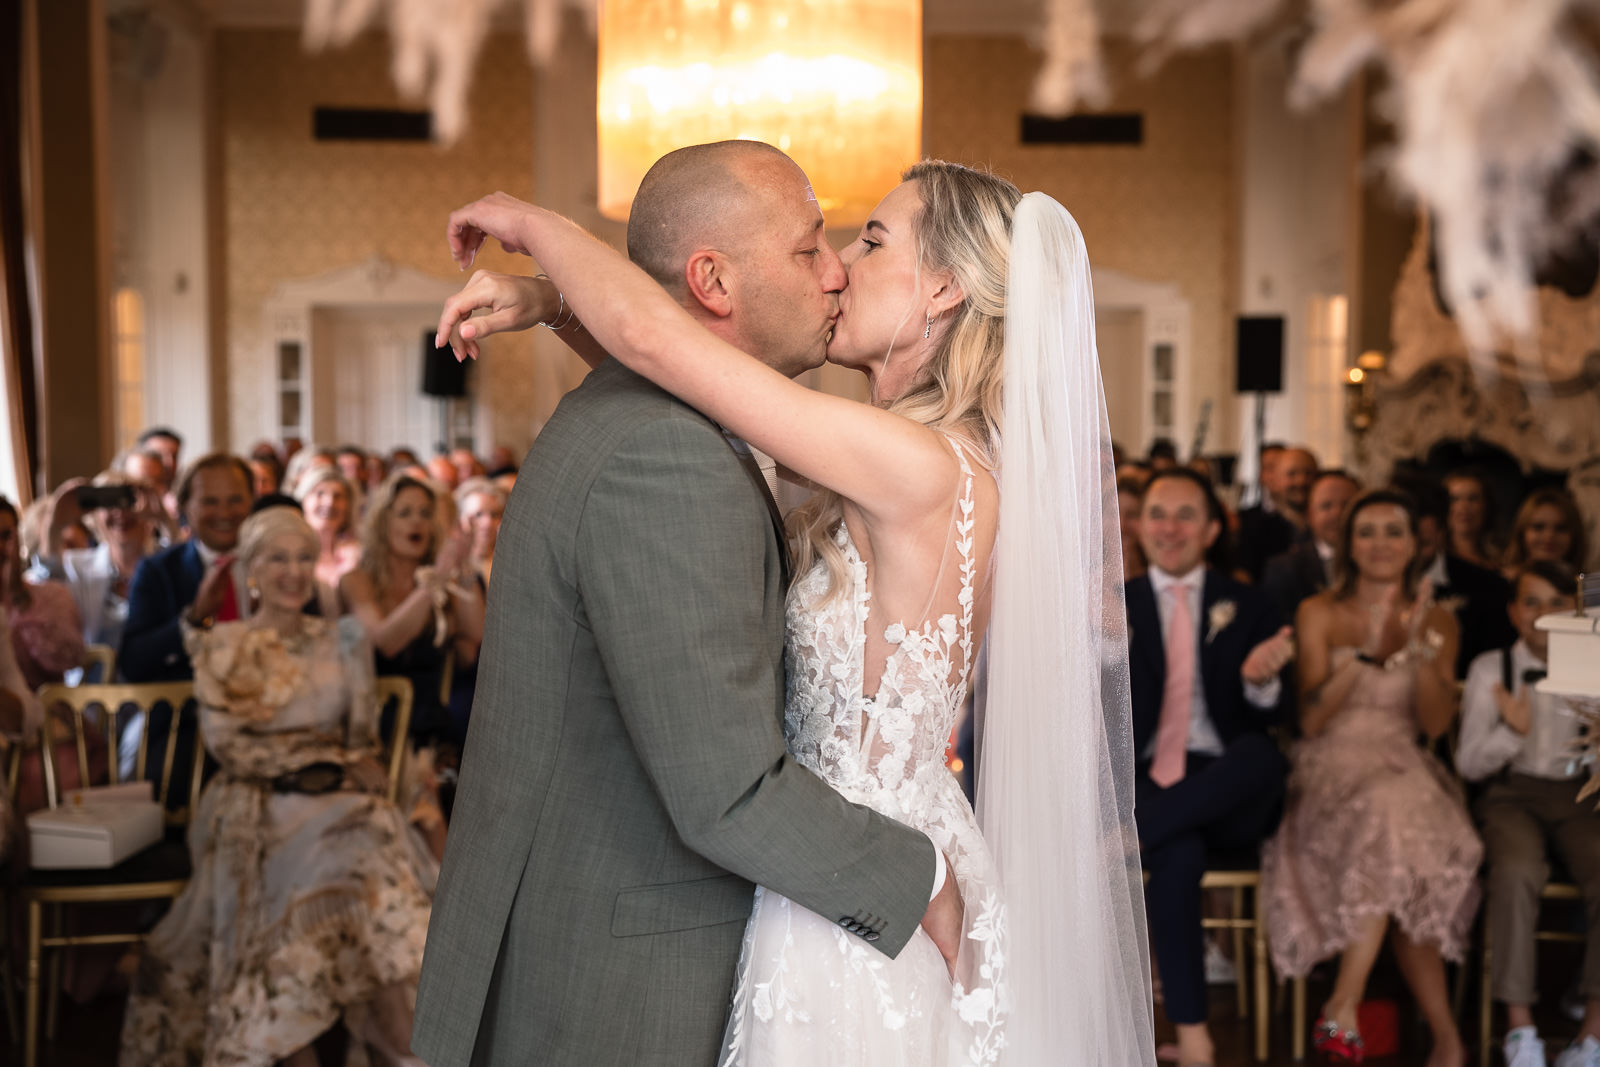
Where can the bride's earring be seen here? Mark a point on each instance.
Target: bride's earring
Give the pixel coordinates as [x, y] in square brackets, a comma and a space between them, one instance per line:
[927, 331]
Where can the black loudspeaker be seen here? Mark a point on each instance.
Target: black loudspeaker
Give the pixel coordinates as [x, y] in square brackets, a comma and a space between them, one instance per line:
[1260, 354]
[441, 374]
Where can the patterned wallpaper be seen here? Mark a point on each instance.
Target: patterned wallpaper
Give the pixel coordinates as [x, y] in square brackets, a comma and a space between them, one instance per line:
[297, 208]
[1163, 211]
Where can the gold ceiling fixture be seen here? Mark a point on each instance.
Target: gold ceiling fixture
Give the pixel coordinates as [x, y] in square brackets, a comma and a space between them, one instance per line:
[837, 84]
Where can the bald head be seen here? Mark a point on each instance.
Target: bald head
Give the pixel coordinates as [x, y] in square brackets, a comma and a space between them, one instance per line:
[699, 196]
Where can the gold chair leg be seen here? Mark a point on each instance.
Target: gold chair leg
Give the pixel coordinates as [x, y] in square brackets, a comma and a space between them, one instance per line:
[30, 1041]
[1485, 1002]
[1240, 986]
[1298, 1035]
[8, 985]
[1259, 930]
[53, 991]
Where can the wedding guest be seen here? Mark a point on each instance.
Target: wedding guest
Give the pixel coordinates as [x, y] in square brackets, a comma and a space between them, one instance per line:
[1305, 570]
[408, 592]
[1471, 518]
[1475, 595]
[267, 474]
[501, 461]
[1549, 527]
[376, 470]
[20, 718]
[1128, 493]
[352, 463]
[1521, 742]
[144, 466]
[466, 464]
[1375, 840]
[329, 505]
[1205, 658]
[302, 462]
[401, 457]
[166, 443]
[1163, 455]
[46, 633]
[481, 505]
[308, 900]
[443, 473]
[194, 579]
[100, 577]
[1278, 522]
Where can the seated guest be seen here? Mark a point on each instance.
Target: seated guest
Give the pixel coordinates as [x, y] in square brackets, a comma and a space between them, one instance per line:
[481, 505]
[1129, 491]
[1278, 522]
[307, 901]
[46, 633]
[1374, 834]
[20, 718]
[1471, 517]
[196, 580]
[165, 443]
[100, 577]
[267, 474]
[1205, 655]
[466, 464]
[1548, 526]
[443, 472]
[1306, 569]
[408, 592]
[1522, 742]
[1163, 455]
[1475, 595]
[329, 505]
[501, 461]
[302, 463]
[352, 463]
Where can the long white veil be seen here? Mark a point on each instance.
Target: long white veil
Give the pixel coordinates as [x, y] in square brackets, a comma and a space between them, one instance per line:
[1055, 752]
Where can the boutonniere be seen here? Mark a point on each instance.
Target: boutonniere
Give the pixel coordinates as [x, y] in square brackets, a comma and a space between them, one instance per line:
[1218, 618]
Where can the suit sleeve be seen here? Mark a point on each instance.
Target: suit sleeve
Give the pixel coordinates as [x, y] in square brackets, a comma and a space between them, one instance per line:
[152, 640]
[672, 582]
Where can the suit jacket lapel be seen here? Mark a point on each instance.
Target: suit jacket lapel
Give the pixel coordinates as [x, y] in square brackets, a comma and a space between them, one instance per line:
[1143, 616]
[748, 462]
[1210, 590]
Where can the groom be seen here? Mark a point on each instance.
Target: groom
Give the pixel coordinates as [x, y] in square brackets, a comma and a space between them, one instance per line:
[625, 782]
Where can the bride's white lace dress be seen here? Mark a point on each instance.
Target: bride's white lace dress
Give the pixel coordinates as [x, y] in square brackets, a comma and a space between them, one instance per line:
[810, 993]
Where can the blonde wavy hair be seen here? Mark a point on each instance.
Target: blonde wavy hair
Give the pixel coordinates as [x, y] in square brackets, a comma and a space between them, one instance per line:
[964, 227]
[374, 562]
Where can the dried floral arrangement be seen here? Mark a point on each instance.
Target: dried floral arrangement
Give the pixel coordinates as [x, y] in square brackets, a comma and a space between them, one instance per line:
[1496, 104]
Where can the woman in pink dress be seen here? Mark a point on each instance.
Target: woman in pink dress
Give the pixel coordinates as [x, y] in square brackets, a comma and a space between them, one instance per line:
[1375, 840]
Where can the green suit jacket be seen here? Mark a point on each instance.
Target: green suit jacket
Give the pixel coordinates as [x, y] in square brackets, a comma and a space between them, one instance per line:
[625, 782]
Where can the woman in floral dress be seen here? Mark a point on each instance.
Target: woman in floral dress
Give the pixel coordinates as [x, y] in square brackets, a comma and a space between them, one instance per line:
[307, 901]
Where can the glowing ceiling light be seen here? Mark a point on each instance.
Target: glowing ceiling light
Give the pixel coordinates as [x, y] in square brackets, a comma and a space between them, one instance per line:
[836, 83]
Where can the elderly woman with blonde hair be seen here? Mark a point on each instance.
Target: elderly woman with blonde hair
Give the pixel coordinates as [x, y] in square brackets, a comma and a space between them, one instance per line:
[309, 900]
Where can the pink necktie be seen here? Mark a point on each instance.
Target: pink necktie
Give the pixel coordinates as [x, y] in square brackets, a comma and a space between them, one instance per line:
[1177, 696]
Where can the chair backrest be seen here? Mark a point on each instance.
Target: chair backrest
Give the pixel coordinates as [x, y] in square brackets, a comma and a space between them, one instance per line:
[113, 700]
[393, 687]
[102, 656]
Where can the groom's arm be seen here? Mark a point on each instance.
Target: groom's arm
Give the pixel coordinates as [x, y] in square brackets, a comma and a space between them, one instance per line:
[672, 551]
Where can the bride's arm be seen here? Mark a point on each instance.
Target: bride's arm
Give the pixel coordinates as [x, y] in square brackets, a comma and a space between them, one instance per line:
[510, 303]
[822, 438]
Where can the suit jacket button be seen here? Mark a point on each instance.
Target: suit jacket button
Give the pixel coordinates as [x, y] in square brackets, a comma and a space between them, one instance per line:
[845, 922]
[872, 936]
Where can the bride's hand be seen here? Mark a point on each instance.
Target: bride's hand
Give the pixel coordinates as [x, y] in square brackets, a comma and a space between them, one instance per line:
[498, 215]
[942, 921]
[511, 302]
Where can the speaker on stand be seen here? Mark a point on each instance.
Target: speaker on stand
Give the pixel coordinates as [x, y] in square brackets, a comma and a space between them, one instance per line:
[444, 379]
[1258, 353]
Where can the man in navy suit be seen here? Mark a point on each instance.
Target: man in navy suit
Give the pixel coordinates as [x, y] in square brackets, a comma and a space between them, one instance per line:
[1307, 568]
[1206, 654]
[1278, 523]
[194, 579]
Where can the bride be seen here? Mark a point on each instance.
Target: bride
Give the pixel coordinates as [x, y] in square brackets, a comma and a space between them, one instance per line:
[971, 505]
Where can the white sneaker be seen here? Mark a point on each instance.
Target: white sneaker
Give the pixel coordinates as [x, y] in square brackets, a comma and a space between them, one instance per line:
[1219, 968]
[1524, 1049]
[1584, 1055]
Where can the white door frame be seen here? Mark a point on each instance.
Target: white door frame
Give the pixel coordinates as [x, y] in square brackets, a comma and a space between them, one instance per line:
[1165, 315]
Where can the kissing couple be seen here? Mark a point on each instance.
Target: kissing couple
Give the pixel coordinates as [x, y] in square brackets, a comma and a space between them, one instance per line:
[704, 814]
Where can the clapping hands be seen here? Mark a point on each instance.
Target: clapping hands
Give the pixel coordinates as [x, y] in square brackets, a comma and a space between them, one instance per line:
[1269, 657]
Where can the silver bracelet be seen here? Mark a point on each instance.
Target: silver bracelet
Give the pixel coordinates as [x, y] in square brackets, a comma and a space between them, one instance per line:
[560, 323]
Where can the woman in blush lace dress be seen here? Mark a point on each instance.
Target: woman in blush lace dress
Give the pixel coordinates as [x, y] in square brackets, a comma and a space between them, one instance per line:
[1375, 840]
[308, 901]
[924, 536]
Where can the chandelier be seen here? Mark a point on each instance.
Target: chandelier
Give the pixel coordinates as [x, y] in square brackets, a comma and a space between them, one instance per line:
[837, 84]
